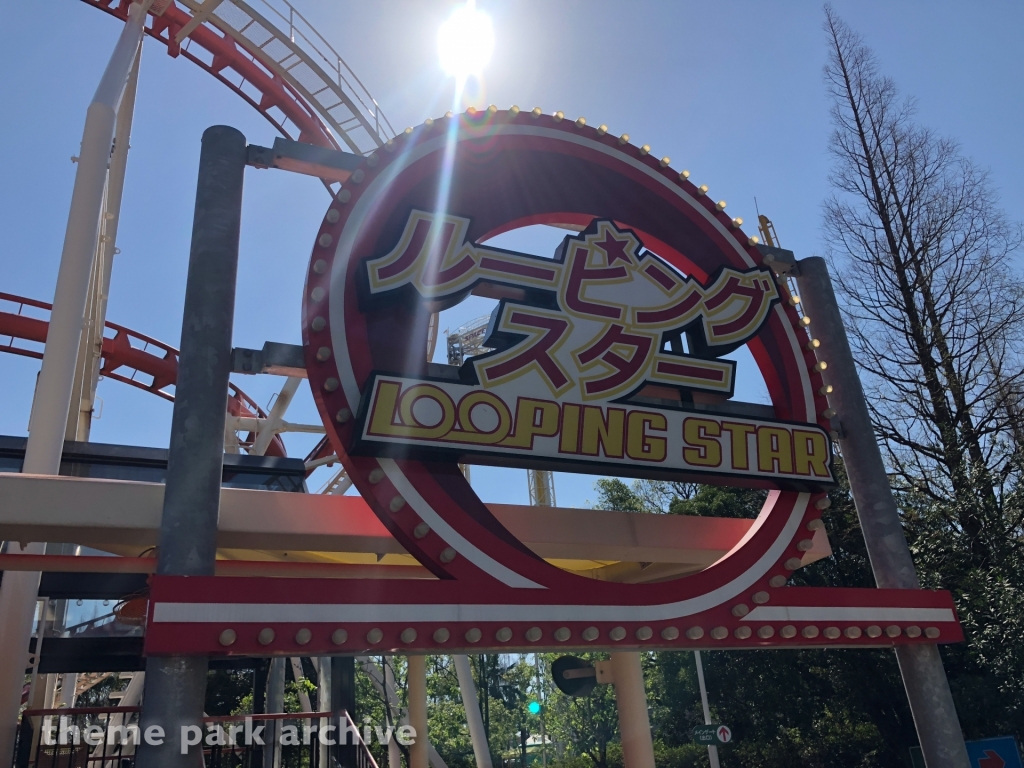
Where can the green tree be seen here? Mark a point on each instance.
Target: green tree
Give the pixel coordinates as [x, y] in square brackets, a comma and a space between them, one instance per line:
[924, 259]
[807, 707]
[449, 733]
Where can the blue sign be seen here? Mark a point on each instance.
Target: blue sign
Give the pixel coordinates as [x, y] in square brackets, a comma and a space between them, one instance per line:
[1000, 752]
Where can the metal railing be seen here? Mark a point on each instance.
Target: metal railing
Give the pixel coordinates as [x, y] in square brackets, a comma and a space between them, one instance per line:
[304, 59]
[271, 56]
[316, 44]
[70, 738]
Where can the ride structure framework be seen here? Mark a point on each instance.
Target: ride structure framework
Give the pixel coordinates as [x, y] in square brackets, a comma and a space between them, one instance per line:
[291, 80]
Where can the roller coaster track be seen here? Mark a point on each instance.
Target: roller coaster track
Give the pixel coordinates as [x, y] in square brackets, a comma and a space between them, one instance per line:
[296, 80]
[127, 356]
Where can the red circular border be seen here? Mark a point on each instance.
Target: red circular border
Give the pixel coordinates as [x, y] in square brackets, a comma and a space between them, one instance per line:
[478, 137]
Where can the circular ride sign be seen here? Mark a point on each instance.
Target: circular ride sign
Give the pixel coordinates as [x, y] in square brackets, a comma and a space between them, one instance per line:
[610, 356]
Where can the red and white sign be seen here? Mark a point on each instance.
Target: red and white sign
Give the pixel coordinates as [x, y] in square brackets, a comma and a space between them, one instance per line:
[586, 369]
[608, 357]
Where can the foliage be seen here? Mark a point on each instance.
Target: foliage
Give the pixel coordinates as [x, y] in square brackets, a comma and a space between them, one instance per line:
[808, 707]
[924, 257]
[225, 690]
[99, 694]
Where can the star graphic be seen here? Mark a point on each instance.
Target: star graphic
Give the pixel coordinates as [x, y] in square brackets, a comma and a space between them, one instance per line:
[616, 249]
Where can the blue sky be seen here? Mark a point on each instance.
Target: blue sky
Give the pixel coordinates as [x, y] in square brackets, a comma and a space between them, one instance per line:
[730, 91]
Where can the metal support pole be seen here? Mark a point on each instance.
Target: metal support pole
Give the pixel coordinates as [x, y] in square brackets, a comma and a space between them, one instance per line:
[56, 377]
[176, 686]
[260, 672]
[343, 699]
[924, 678]
[275, 704]
[323, 700]
[631, 702]
[418, 710]
[712, 749]
[475, 721]
[540, 701]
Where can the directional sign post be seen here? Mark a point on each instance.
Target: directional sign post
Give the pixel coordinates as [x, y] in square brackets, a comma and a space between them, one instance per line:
[715, 733]
[1000, 752]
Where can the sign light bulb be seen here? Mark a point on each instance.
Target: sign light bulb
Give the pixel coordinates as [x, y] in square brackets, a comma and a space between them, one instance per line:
[534, 707]
[465, 41]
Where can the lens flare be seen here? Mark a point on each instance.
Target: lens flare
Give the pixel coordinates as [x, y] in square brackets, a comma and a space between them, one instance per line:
[465, 42]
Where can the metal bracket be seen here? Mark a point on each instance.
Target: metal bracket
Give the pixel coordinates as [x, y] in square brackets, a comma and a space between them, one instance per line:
[779, 260]
[601, 671]
[275, 358]
[604, 672]
[331, 165]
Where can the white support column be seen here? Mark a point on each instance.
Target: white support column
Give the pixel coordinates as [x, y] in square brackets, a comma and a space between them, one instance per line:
[631, 701]
[418, 710]
[712, 749]
[481, 749]
[68, 684]
[49, 689]
[324, 702]
[297, 673]
[268, 429]
[91, 348]
[56, 378]
[384, 682]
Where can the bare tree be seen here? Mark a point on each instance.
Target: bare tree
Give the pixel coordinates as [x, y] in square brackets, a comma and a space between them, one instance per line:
[923, 257]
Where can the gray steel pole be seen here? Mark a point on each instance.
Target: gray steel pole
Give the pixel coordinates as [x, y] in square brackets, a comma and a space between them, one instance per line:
[275, 704]
[343, 699]
[712, 749]
[176, 686]
[924, 678]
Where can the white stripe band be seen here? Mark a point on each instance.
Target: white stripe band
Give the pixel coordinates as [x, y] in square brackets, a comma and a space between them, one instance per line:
[452, 537]
[291, 613]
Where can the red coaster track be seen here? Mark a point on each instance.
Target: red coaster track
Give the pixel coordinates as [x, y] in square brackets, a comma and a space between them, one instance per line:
[126, 357]
[297, 81]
